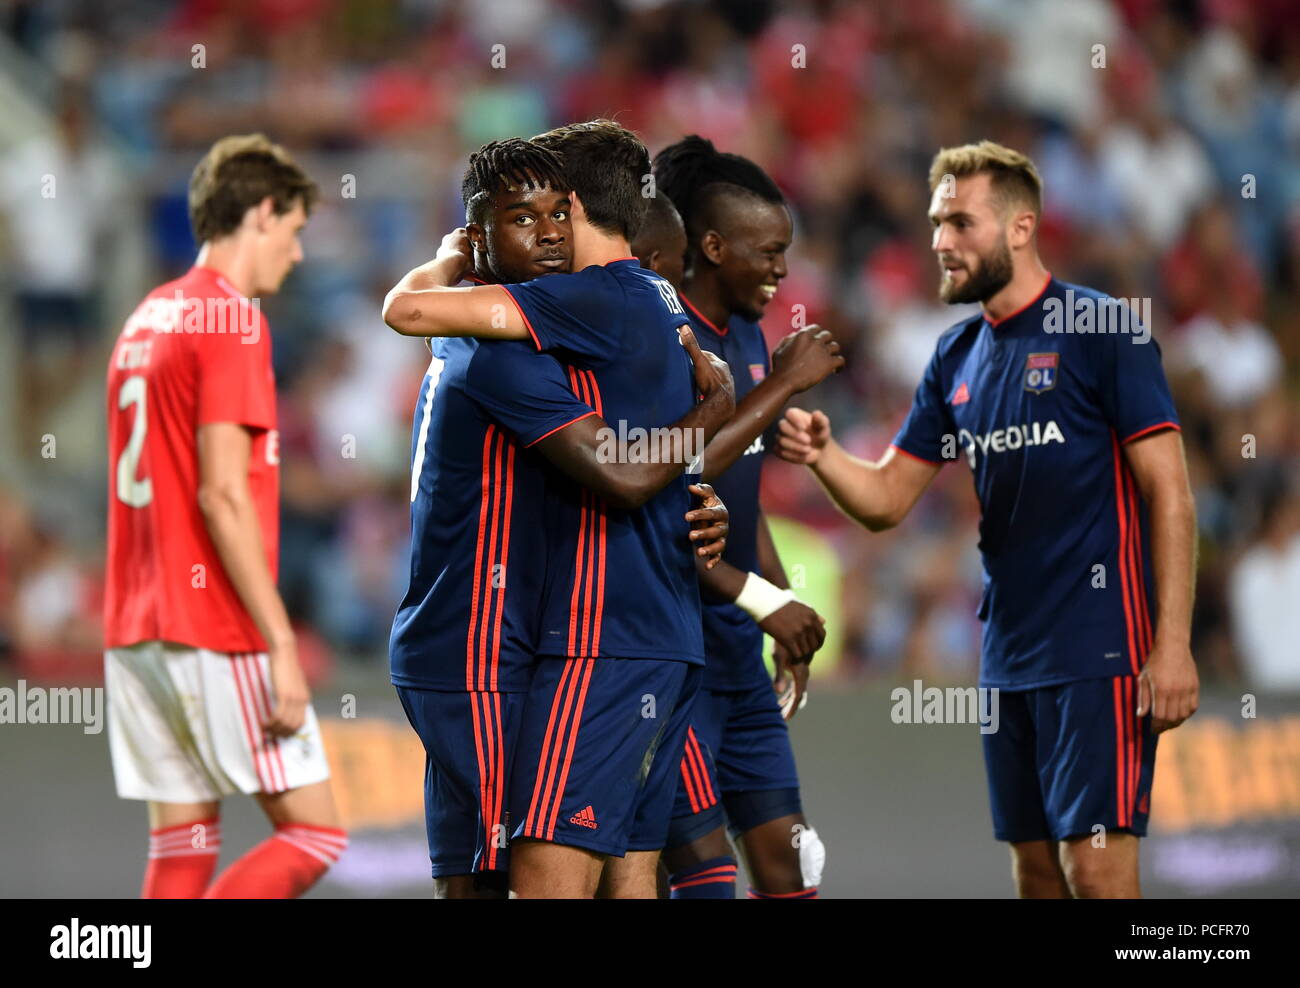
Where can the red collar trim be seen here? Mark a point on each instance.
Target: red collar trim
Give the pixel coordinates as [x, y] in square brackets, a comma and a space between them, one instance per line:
[998, 322]
[701, 316]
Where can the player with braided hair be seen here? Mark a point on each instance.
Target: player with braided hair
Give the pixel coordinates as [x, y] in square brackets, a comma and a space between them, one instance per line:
[492, 419]
[737, 229]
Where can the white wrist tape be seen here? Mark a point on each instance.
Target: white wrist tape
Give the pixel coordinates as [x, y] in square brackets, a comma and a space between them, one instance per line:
[759, 599]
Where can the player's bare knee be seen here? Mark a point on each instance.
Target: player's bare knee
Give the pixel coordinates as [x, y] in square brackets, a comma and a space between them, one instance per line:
[783, 855]
[312, 805]
[1034, 882]
[1088, 880]
[634, 876]
[1036, 871]
[175, 814]
[774, 866]
[1101, 872]
[541, 869]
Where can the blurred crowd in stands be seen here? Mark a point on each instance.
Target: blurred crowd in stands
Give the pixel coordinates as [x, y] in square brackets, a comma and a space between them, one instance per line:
[1167, 133]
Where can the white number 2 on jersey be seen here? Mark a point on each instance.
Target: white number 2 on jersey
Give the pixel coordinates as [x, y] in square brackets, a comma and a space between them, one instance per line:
[130, 491]
[417, 462]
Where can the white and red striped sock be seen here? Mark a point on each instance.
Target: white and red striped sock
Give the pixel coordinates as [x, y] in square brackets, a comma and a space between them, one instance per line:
[284, 866]
[182, 859]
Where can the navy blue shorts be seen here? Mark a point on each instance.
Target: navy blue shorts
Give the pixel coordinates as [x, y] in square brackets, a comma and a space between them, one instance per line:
[738, 765]
[469, 740]
[1067, 759]
[598, 751]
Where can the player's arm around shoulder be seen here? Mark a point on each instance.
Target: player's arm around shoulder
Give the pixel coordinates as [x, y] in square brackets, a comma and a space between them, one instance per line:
[877, 495]
[425, 303]
[1169, 684]
[582, 449]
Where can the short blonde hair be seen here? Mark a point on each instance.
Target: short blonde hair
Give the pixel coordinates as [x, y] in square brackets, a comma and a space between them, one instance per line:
[1012, 175]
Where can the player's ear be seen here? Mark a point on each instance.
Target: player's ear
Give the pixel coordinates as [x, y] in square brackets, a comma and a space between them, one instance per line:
[576, 209]
[477, 238]
[263, 213]
[1023, 225]
[713, 247]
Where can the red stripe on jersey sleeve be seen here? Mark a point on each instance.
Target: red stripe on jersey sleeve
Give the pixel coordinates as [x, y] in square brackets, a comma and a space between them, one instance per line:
[558, 428]
[524, 316]
[1151, 428]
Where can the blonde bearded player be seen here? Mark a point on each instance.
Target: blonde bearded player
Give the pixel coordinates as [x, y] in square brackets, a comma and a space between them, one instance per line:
[206, 696]
[1087, 526]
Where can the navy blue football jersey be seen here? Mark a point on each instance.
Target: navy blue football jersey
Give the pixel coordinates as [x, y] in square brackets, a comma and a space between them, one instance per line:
[733, 641]
[478, 545]
[622, 584]
[1042, 417]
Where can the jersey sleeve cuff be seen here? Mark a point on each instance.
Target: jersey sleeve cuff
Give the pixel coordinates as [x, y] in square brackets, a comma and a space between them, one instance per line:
[524, 315]
[558, 428]
[258, 423]
[922, 459]
[1159, 426]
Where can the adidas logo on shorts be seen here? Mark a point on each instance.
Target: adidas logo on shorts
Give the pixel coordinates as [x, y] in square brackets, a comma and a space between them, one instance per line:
[585, 818]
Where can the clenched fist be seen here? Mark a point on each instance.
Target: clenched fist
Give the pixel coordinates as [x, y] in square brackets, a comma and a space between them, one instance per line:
[803, 436]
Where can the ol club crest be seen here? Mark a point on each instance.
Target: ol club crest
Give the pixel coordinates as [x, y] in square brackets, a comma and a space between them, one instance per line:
[1040, 372]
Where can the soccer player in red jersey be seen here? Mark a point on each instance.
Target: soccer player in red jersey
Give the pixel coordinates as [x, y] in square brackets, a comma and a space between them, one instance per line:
[206, 695]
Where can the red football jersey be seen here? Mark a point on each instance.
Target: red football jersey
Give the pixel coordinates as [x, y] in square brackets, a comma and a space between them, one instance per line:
[194, 352]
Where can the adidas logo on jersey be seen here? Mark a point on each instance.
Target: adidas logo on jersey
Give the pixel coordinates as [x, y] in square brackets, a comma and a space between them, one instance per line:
[585, 817]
